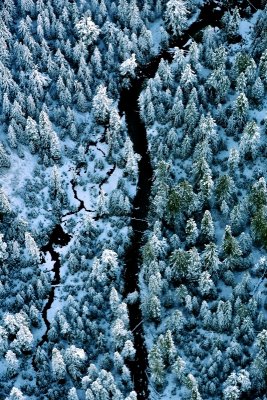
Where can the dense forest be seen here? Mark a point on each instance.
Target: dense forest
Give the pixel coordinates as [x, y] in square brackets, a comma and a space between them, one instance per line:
[133, 199]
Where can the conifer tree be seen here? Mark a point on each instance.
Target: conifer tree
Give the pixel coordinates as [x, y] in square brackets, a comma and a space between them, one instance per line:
[241, 107]
[15, 394]
[72, 394]
[32, 248]
[5, 207]
[156, 366]
[191, 231]
[207, 227]
[250, 139]
[58, 365]
[12, 364]
[210, 258]
[176, 16]
[257, 91]
[230, 245]
[101, 105]
[88, 30]
[4, 158]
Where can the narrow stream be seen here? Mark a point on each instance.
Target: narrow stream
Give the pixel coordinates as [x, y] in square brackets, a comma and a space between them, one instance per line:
[60, 238]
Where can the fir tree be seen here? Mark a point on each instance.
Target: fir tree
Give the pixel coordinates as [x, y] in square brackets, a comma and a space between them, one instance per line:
[230, 245]
[58, 365]
[4, 158]
[101, 105]
[176, 16]
[5, 207]
[12, 364]
[191, 231]
[241, 107]
[207, 227]
[88, 30]
[156, 366]
[250, 140]
[72, 394]
[32, 248]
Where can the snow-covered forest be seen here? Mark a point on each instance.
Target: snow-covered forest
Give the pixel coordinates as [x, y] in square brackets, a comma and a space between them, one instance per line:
[133, 199]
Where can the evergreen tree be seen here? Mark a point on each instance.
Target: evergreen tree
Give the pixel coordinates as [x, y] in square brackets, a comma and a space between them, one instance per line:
[24, 339]
[4, 158]
[188, 78]
[250, 140]
[156, 366]
[263, 67]
[128, 67]
[191, 231]
[224, 189]
[241, 107]
[206, 285]
[72, 394]
[58, 365]
[179, 261]
[101, 105]
[176, 16]
[259, 226]
[257, 91]
[32, 248]
[88, 30]
[233, 161]
[12, 364]
[219, 82]
[5, 207]
[230, 245]
[15, 394]
[210, 258]
[207, 227]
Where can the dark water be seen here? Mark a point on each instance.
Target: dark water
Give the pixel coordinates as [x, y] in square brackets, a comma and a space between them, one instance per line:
[129, 105]
[60, 238]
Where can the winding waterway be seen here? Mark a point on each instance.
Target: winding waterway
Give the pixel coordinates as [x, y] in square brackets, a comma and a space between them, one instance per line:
[210, 14]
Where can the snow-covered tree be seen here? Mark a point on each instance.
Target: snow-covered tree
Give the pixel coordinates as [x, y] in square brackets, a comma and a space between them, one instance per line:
[230, 245]
[58, 365]
[32, 247]
[156, 366]
[207, 227]
[206, 285]
[191, 231]
[72, 394]
[250, 139]
[5, 207]
[176, 16]
[128, 67]
[12, 363]
[101, 105]
[4, 158]
[15, 394]
[88, 30]
[24, 339]
[241, 107]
